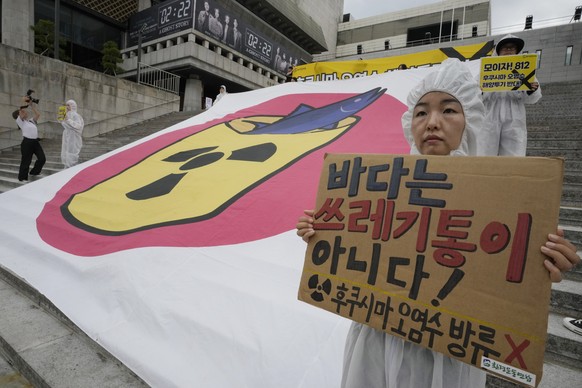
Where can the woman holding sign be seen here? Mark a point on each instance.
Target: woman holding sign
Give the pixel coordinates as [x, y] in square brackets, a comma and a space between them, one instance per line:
[444, 116]
[505, 129]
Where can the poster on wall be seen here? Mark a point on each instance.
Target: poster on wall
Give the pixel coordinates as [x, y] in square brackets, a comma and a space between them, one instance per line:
[214, 20]
[161, 20]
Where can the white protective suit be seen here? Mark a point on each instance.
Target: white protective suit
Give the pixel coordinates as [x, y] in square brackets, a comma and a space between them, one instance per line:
[221, 94]
[375, 359]
[505, 132]
[73, 125]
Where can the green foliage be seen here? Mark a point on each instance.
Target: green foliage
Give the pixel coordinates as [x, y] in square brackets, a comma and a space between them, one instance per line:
[111, 57]
[44, 38]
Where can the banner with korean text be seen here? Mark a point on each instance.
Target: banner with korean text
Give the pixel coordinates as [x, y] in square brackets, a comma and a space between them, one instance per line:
[508, 72]
[330, 71]
[442, 252]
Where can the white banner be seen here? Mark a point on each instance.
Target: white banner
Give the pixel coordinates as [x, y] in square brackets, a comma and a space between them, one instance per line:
[178, 253]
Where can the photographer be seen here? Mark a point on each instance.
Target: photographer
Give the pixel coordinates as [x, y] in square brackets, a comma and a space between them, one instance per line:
[30, 142]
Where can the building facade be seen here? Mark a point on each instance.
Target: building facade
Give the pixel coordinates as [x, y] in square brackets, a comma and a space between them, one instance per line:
[452, 23]
[243, 44]
[250, 44]
[445, 21]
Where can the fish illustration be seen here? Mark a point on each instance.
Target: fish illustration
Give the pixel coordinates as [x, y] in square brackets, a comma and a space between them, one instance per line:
[306, 118]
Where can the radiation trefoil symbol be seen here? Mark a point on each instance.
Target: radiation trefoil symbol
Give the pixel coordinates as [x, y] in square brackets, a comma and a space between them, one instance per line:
[237, 179]
[319, 289]
[199, 176]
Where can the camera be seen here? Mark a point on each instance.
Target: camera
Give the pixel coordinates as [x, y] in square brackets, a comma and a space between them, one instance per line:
[30, 98]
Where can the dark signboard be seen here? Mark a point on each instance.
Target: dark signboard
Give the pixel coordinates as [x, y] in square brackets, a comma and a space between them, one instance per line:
[162, 19]
[217, 21]
[226, 26]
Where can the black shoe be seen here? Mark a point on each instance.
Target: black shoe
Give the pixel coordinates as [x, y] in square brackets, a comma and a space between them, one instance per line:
[22, 180]
[573, 324]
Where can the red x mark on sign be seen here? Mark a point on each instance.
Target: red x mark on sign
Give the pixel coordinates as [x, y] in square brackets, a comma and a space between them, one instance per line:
[517, 350]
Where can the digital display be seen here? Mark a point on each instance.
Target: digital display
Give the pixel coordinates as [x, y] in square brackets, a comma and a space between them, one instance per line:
[174, 16]
[212, 18]
[161, 20]
[257, 47]
[231, 29]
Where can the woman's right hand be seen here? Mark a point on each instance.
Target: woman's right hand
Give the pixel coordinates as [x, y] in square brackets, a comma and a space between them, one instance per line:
[305, 225]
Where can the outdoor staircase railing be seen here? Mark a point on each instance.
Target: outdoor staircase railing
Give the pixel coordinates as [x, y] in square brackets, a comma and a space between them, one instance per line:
[158, 78]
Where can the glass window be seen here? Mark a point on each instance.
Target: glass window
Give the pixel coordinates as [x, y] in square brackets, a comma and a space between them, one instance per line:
[539, 64]
[359, 49]
[387, 44]
[568, 60]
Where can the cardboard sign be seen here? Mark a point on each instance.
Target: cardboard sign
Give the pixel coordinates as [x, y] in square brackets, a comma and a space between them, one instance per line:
[440, 251]
[61, 113]
[508, 72]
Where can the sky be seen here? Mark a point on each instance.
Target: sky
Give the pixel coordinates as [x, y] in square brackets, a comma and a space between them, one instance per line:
[506, 15]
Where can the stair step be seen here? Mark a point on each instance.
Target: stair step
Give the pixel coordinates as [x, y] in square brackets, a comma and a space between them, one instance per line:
[555, 152]
[13, 173]
[570, 215]
[573, 233]
[48, 349]
[563, 344]
[561, 360]
[566, 298]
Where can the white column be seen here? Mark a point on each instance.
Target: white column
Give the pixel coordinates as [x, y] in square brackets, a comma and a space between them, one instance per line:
[193, 94]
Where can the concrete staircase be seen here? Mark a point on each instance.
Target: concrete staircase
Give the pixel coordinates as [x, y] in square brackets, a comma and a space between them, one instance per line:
[555, 129]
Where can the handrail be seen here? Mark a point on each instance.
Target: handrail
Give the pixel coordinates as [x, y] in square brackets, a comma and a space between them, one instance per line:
[394, 45]
[158, 78]
[102, 123]
[134, 111]
[47, 126]
[99, 127]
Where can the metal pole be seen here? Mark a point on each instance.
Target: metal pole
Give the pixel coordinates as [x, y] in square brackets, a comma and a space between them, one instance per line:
[441, 25]
[141, 30]
[57, 46]
[138, 53]
[463, 33]
[452, 25]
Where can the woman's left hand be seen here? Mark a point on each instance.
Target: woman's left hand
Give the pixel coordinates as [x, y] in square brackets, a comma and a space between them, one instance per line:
[561, 253]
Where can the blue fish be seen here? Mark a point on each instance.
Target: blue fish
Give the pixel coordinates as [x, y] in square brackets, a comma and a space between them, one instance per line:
[306, 118]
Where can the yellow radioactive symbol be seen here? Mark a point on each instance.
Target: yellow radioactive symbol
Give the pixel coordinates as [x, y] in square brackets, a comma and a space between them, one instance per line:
[193, 179]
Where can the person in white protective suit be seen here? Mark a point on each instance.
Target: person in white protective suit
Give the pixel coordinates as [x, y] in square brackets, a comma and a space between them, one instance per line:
[222, 92]
[73, 125]
[445, 114]
[505, 132]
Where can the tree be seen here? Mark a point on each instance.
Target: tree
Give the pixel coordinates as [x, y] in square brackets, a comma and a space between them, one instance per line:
[44, 38]
[111, 57]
